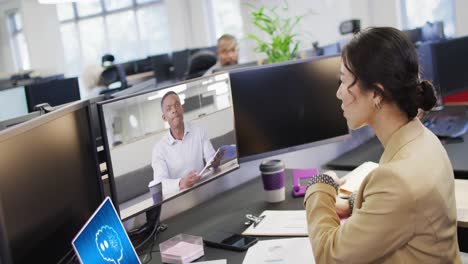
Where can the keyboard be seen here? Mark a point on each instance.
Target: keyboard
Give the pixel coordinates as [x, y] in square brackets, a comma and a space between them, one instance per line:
[449, 125]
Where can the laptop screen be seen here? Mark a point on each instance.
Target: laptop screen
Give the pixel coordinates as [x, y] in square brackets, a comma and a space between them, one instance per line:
[103, 239]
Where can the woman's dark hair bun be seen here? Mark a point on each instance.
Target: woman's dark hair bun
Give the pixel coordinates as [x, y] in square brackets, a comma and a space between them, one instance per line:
[428, 97]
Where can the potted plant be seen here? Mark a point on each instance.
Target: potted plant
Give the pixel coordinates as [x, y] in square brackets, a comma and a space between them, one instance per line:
[282, 44]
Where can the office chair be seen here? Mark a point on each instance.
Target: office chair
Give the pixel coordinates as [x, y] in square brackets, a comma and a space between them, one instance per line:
[199, 63]
[112, 76]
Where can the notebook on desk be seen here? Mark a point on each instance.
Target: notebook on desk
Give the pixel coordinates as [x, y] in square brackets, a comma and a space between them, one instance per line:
[103, 239]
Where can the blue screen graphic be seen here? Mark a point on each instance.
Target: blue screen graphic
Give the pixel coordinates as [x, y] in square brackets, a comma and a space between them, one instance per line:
[104, 240]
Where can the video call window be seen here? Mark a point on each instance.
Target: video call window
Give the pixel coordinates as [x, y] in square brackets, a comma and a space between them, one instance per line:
[134, 126]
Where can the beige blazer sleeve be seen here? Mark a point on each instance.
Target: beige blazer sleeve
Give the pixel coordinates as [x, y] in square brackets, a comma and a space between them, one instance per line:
[382, 225]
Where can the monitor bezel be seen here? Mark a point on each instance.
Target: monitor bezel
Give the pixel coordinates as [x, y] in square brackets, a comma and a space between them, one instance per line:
[13, 131]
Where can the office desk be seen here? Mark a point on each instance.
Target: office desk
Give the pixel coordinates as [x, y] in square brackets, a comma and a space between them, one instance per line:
[227, 212]
[139, 77]
[144, 201]
[373, 149]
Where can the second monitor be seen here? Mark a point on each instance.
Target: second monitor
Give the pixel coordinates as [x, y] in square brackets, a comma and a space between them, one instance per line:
[282, 107]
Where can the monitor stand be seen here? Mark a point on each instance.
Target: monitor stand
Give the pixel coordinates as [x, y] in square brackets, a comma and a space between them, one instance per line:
[147, 233]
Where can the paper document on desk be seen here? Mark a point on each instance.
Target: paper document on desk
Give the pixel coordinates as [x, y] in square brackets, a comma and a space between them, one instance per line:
[280, 223]
[357, 176]
[281, 251]
[220, 261]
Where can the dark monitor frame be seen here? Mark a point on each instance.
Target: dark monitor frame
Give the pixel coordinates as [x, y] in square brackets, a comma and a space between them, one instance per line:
[5, 254]
[110, 172]
[32, 124]
[162, 65]
[441, 60]
[296, 147]
[180, 61]
[29, 91]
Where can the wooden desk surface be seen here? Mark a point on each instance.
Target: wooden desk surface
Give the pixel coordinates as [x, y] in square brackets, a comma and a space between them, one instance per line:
[461, 196]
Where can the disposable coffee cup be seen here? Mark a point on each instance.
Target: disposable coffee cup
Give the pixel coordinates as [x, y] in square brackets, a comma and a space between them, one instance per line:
[273, 180]
[156, 192]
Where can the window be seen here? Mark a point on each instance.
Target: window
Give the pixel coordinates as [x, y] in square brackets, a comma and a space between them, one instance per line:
[417, 12]
[18, 41]
[128, 29]
[227, 18]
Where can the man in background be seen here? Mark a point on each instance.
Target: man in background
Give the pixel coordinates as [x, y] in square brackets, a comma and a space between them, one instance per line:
[227, 51]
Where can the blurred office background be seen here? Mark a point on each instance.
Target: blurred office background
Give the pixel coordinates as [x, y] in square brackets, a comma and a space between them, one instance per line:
[70, 38]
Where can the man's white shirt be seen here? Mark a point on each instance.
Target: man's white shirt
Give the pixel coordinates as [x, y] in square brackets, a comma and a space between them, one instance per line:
[173, 159]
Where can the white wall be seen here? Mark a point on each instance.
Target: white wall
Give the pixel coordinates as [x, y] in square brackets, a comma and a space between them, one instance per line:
[6, 52]
[42, 28]
[189, 24]
[461, 18]
[42, 33]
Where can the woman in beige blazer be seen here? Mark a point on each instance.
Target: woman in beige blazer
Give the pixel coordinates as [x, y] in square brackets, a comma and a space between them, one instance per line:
[404, 211]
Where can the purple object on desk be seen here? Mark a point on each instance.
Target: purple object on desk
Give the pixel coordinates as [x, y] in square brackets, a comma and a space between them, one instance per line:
[299, 174]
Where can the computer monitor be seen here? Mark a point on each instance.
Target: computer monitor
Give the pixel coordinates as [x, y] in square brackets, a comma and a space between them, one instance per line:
[133, 125]
[180, 59]
[56, 92]
[13, 103]
[449, 59]
[414, 35]
[287, 106]
[50, 183]
[162, 66]
[327, 50]
[143, 65]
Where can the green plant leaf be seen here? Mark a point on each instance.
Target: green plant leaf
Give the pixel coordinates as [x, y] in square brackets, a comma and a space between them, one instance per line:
[281, 45]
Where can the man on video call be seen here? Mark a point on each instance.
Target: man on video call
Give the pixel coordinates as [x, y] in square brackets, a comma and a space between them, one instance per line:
[178, 156]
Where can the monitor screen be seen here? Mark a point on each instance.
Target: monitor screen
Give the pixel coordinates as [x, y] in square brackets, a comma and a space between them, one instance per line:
[180, 60]
[13, 103]
[162, 65]
[49, 185]
[285, 105]
[56, 92]
[451, 65]
[103, 239]
[142, 149]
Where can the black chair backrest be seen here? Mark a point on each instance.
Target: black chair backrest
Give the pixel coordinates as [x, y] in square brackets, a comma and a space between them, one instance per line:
[200, 62]
[112, 74]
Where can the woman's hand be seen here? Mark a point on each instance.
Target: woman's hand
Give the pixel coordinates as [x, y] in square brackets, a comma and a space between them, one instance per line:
[343, 210]
[342, 205]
